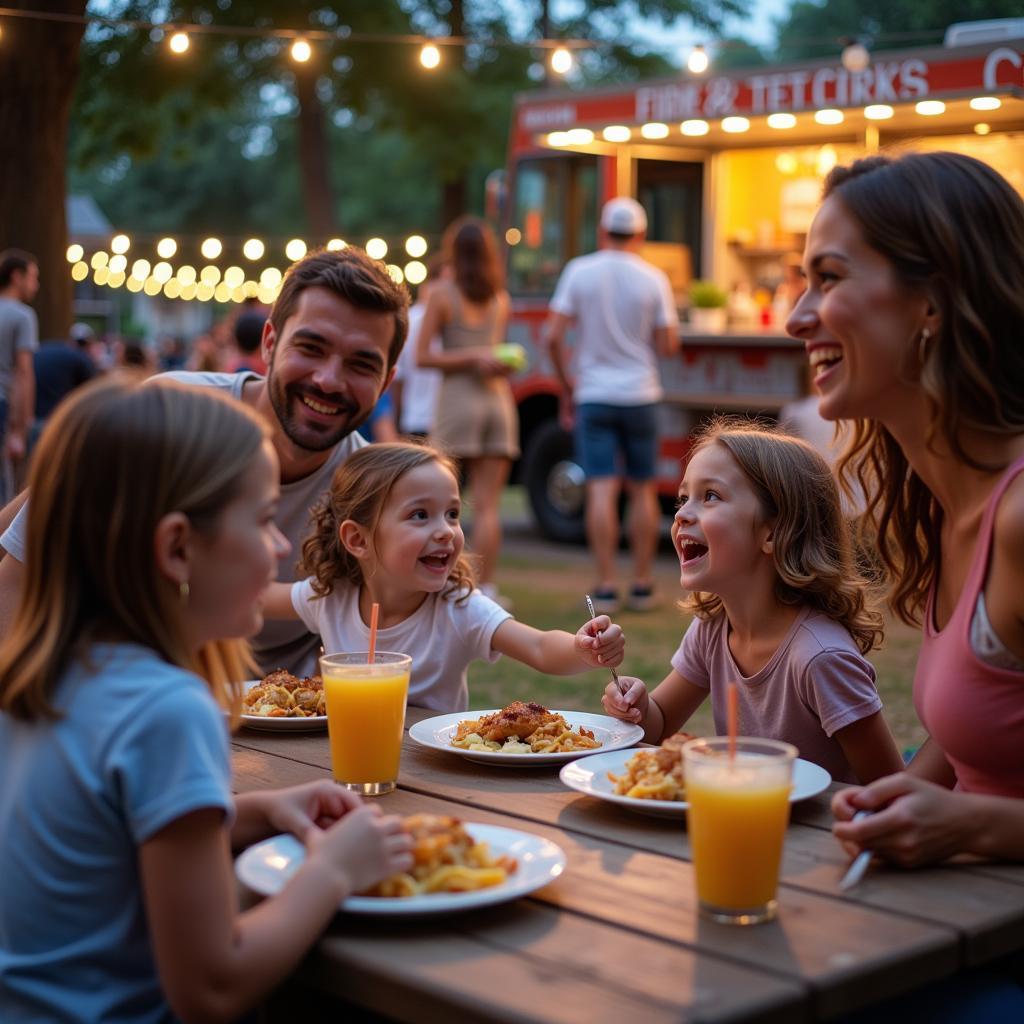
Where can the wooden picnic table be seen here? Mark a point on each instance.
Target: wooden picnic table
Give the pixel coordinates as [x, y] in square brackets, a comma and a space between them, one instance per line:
[618, 937]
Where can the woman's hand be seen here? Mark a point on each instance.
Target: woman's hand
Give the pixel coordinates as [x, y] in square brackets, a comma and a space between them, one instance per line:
[314, 804]
[913, 821]
[361, 849]
[601, 643]
[487, 364]
[630, 703]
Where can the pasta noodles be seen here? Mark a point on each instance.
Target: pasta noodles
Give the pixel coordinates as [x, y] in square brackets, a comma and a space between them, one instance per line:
[446, 858]
[282, 695]
[654, 774]
[523, 728]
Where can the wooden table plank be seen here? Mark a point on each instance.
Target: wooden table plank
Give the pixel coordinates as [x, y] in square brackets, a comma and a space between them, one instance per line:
[845, 952]
[527, 962]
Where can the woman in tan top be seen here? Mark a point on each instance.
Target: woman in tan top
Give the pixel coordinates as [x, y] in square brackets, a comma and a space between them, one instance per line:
[476, 418]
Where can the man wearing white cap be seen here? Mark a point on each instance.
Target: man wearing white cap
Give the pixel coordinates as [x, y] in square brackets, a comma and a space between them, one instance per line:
[626, 317]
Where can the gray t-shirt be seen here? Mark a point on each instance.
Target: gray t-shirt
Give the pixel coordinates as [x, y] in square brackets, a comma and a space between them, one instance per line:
[815, 684]
[19, 332]
[280, 644]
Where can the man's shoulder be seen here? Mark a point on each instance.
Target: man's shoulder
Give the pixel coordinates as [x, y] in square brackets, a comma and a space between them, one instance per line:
[14, 311]
[229, 382]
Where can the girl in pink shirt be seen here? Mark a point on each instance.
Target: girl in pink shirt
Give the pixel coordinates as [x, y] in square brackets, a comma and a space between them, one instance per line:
[913, 321]
[780, 607]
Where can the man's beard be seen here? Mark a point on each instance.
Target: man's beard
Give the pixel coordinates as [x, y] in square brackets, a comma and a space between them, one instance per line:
[319, 437]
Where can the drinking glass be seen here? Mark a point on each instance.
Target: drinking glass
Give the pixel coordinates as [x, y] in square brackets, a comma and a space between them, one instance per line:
[737, 816]
[365, 717]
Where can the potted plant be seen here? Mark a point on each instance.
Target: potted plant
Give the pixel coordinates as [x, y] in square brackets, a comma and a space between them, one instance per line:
[707, 307]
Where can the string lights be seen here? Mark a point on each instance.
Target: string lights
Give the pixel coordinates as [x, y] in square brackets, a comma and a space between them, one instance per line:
[697, 62]
[113, 267]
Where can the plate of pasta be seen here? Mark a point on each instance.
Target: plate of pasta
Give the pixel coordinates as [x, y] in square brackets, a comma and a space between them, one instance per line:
[457, 866]
[281, 702]
[524, 735]
[650, 780]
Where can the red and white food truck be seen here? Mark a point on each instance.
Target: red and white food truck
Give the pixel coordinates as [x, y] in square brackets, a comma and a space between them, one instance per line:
[729, 168]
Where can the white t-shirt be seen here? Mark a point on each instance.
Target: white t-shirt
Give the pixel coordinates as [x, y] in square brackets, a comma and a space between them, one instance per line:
[441, 636]
[420, 385]
[618, 300]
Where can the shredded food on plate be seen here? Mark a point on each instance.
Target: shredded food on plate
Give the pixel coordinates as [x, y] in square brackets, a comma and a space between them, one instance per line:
[654, 774]
[282, 695]
[446, 858]
[523, 728]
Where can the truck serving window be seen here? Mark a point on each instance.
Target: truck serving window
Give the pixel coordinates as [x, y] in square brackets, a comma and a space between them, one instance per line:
[554, 209]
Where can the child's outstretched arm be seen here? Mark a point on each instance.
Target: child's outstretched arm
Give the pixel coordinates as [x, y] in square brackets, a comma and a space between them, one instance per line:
[869, 748]
[662, 712]
[214, 963]
[277, 602]
[598, 644]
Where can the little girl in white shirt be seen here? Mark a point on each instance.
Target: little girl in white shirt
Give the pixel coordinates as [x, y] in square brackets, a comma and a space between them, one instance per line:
[389, 532]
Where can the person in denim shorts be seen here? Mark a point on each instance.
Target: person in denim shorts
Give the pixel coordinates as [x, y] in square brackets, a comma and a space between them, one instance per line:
[626, 318]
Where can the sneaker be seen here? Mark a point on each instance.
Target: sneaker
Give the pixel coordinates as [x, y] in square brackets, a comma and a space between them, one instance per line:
[490, 590]
[606, 600]
[641, 598]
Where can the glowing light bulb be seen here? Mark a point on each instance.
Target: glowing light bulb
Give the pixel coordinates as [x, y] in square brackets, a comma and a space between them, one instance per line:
[178, 42]
[295, 249]
[75, 253]
[253, 249]
[986, 103]
[415, 246]
[166, 248]
[430, 56]
[735, 125]
[695, 126]
[616, 133]
[829, 116]
[781, 121]
[415, 272]
[930, 108]
[698, 61]
[120, 244]
[211, 248]
[301, 51]
[376, 248]
[561, 61]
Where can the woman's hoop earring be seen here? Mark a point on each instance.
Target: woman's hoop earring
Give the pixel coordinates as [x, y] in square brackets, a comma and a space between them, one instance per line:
[922, 344]
[183, 591]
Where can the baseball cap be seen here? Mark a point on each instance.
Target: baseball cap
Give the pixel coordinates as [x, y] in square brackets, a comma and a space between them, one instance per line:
[623, 216]
[81, 333]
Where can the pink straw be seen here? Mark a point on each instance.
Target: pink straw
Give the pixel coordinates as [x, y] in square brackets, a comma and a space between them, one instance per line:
[732, 702]
[374, 615]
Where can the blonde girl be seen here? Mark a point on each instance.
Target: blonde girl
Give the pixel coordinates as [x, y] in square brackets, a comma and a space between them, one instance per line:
[389, 532]
[151, 539]
[780, 607]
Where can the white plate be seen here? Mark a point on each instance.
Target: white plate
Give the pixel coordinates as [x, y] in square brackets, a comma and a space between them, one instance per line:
[315, 723]
[609, 732]
[591, 777]
[266, 867]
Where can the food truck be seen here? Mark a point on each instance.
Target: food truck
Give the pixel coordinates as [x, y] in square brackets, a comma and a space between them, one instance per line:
[729, 168]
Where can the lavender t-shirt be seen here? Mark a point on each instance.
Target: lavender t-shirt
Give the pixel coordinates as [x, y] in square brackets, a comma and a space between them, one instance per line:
[815, 684]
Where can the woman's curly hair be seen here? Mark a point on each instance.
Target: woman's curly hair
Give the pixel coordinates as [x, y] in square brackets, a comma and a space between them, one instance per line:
[813, 542]
[359, 491]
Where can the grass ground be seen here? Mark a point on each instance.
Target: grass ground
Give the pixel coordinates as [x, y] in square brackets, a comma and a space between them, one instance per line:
[547, 583]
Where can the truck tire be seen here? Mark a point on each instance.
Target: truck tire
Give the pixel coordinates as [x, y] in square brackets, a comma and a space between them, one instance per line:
[554, 483]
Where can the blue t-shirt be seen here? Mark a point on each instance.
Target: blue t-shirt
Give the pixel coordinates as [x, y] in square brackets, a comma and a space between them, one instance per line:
[140, 744]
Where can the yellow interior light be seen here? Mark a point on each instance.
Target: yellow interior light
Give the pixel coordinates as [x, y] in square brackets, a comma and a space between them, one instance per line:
[930, 108]
[986, 103]
[617, 133]
[253, 249]
[781, 121]
[234, 277]
[163, 272]
[695, 126]
[75, 253]
[654, 130]
[829, 116]
[295, 249]
[120, 244]
[735, 125]
[80, 271]
[211, 248]
[415, 272]
[166, 248]
[878, 112]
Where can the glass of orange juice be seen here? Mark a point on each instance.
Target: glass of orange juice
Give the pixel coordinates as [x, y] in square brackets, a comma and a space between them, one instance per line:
[365, 717]
[737, 817]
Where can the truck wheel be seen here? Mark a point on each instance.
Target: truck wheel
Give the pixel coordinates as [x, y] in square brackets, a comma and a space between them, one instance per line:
[554, 483]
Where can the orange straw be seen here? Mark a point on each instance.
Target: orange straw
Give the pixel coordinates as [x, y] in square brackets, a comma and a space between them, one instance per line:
[732, 702]
[374, 615]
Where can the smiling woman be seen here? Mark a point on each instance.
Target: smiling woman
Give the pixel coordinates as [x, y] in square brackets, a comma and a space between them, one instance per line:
[915, 269]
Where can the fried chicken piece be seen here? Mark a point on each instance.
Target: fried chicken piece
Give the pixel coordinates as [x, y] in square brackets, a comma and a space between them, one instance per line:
[670, 754]
[281, 677]
[518, 719]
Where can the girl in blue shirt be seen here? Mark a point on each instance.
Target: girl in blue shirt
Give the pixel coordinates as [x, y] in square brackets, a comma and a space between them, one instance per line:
[151, 538]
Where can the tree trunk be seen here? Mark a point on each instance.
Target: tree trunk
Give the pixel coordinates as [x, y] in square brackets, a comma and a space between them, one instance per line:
[314, 160]
[453, 200]
[453, 191]
[37, 82]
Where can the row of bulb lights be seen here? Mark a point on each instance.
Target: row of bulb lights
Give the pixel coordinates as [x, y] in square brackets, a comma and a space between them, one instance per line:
[781, 121]
[301, 50]
[208, 283]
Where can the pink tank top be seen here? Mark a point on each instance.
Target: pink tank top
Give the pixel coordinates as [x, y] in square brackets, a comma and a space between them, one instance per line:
[973, 710]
